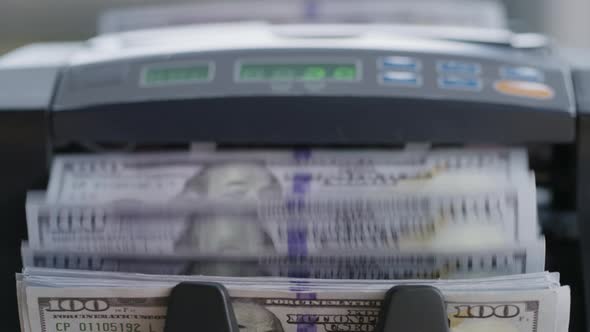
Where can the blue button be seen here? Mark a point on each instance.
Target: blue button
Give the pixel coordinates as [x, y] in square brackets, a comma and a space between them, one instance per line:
[401, 78]
[460, 83]
[459, 67]
[522, 74]
[400, 63]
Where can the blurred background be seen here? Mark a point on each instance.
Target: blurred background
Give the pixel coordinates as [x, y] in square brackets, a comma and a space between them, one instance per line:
[25, 21]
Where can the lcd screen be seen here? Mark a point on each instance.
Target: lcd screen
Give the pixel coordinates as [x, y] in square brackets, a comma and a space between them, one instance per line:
[175, 75]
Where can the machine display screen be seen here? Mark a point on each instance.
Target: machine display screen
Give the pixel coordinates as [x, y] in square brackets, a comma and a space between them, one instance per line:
[298, 72]
[175, 75]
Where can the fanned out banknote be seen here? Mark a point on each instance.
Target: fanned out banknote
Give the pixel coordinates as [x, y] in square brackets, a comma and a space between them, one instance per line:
[302, 201]
[399, 221]
[162, 177]
[54, 301]
[368, 264]
[332, 214]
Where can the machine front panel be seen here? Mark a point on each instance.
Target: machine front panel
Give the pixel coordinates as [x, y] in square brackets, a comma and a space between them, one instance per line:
[519, 79]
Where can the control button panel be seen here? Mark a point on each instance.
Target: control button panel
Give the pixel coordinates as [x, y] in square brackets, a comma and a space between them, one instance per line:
[464, 78]
[459, 75]
[401, 71]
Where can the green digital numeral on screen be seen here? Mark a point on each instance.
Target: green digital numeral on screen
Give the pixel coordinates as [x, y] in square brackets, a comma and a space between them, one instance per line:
[314, 74]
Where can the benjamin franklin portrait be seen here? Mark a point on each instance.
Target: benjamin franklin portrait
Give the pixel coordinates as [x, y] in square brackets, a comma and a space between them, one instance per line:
[253, 317]
[239, 180]
[223, 232]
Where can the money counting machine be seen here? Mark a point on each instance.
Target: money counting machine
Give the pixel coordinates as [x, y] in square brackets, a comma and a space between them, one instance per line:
[295, 85]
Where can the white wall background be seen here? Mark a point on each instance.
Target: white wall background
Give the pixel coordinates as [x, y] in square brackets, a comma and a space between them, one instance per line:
[23, 21]
[568, 21]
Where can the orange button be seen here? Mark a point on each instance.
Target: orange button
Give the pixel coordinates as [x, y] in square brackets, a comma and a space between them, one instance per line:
[524, 89]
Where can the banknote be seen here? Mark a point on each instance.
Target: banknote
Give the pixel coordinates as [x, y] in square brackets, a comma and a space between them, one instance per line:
[471, 220]
[21, 302]
[161, 177]
[143, 309]
[68, 277]
[382, 265]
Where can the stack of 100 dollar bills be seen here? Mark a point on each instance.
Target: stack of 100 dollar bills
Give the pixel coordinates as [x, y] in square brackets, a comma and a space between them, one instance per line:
[351, 223]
